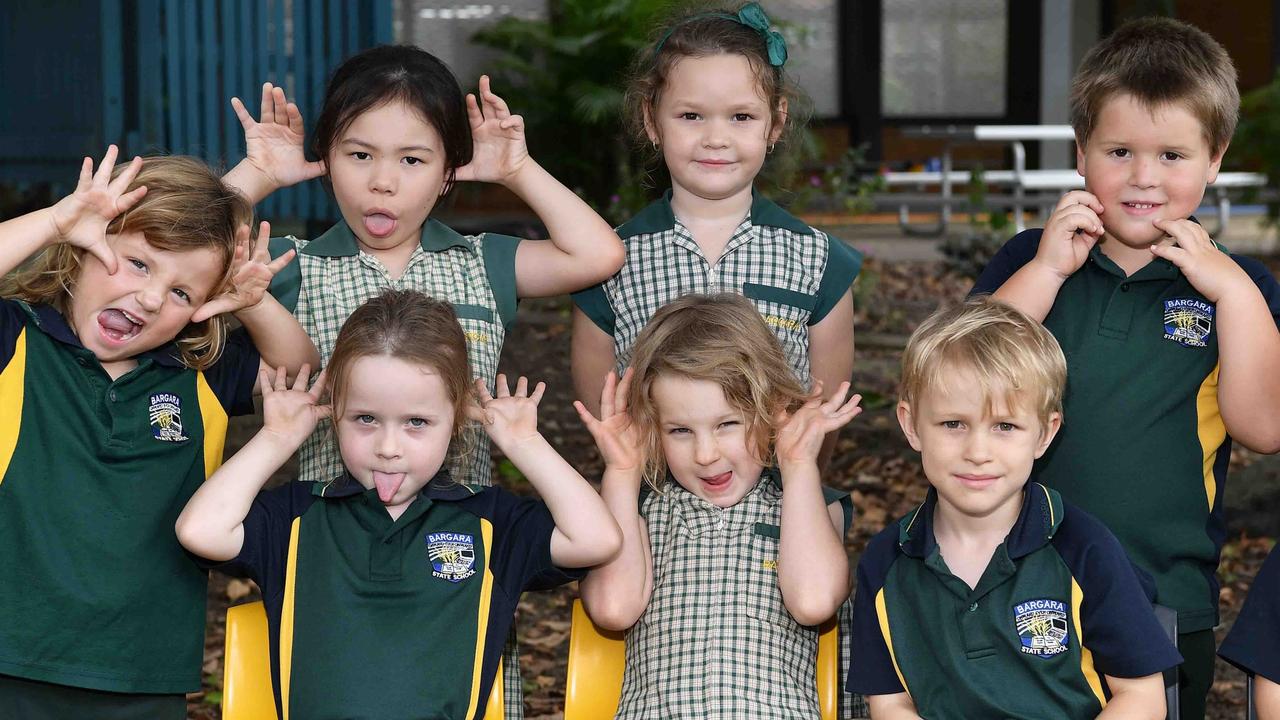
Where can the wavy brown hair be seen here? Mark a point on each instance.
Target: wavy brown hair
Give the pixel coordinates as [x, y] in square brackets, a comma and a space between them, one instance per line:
[187, 207]
[721, 339]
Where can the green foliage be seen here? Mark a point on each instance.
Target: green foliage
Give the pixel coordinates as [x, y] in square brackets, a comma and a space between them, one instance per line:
[842, 186]
[1257, 139]
[564, 75]
[970, 253]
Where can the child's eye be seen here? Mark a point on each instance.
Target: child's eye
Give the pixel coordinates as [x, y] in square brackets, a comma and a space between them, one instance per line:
[951, 424]
[360, 155]
[364, 419]
[1006, 427]
[730, 423]
[678, 431]
[418, 422]
[182, 294]
[1120, 152]
[1170, 155]
[743, 117]
[690, 116]
[411, 161]
[138, 263]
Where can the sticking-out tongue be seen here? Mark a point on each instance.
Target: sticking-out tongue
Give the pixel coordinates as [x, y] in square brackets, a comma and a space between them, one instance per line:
[387, 484]
[379, 225]
[115, 322]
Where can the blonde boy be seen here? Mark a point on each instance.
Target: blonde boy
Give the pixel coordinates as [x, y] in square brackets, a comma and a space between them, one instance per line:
[994, 598]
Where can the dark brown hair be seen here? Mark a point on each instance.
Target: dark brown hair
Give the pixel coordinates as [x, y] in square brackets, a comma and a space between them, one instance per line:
[187, 207]
[1159, 61]
[390, 73]
[697, 30]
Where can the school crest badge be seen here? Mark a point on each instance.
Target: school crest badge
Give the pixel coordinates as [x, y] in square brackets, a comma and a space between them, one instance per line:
[453, 555]
[166, 417]
[1042, 627]
[1187, 321]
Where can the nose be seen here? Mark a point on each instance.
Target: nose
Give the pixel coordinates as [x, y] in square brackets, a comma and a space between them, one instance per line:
[977, 448]
[388, 444]
[382, 179]
[706, 450]
[150, 297]
[1144, 172]
[715, 134]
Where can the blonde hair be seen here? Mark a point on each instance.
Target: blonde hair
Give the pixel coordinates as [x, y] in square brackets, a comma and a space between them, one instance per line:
[720, 339]
[410, 326]
[1006, 351]
[1159, 61]
[187, 207]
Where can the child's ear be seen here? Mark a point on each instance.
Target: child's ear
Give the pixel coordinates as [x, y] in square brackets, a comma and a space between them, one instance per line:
[908, 424]
[1080, 156]
[779, 121]
[1215, 163]
[1048, 433]
[651, 127]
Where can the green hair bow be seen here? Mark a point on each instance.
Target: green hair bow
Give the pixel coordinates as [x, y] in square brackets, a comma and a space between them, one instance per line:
[752, 16]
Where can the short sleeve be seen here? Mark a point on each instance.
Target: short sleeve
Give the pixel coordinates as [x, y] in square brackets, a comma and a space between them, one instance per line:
[12, 321]
[594, 303]
[286, 286]
[1008, 260]
[872, 670]
[522, 545]
[1265, 281]
[843, 265]
[264, 553]
[1117, 622]
[233, 376]
[1253, 645]
[500, 268]
[832, 496]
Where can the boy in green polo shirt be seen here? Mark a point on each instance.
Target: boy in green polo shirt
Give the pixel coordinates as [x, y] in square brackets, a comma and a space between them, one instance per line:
[994, 598]
[1171, 342]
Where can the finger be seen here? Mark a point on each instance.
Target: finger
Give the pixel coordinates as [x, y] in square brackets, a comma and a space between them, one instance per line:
[260, 251]
[1174, 254]
[482, 391]
[265, 113]
[585, 415]
[131, 198]
[609, 394]
[104, 168]
[314, 169]
[500, 386]
[279, 115]
[322, 411]
[304, 374]
[1079, 197]
[624, 389]
[295, 118]
[522, 387]
[478, 414]
[1185, 233]
[492, 100]
[242, 113]
[538, 390]
[474, 116]
[837, 397]
[212, 308]
[282, 379]
[317, 387]
[1081, 220]
[106, 255]
[264, 381]
[515, 122]
[275, 266]
[86, 174]
[126, 176]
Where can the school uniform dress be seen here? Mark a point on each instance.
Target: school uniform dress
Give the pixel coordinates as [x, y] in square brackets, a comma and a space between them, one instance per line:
[716, 641]
[1058, 607]
[370, 617]
[98, 594]
[1253, 645]
[793, 273]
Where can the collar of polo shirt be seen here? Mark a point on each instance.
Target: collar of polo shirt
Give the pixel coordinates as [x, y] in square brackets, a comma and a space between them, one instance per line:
[1038, 520]
[339, 241]
[658, 217]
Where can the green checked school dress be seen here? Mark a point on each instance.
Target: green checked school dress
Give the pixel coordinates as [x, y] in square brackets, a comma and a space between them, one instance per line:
[716, 641]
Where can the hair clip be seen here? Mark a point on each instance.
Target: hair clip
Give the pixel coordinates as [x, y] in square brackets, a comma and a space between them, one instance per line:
[750, 15]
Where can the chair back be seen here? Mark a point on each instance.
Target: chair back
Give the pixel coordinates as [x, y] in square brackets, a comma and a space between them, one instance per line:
[246, 669]
[597, 657]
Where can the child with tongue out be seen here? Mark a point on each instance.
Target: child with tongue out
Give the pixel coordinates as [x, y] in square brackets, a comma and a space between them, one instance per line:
[724, 573]
[117, 377]
[393, 585]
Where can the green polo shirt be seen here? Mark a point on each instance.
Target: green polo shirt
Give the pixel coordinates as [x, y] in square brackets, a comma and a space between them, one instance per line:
[793, 273]
[98, 593]
[392, 619]
[1143, 446]
[1058, 606]
[332, 277]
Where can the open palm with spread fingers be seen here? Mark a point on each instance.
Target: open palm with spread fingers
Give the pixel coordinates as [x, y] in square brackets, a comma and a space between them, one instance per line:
[81, 218]
[614, 432]
[251, 274]
[274, 143]
[800, 434]
[509, 417]
[291, 413]
[499, 149]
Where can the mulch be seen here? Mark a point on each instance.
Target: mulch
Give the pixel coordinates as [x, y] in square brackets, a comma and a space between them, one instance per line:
[872, 461]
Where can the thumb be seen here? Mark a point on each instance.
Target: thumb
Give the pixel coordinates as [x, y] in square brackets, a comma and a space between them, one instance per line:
[314, 169]
[106, 255]
[214, 307]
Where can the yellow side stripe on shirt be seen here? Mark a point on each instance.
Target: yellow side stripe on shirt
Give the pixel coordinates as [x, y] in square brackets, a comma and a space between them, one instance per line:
[286, 617]
[1210, 430]
[1086, 656]
[482, 621]
[215, 425]
[882, 613]
[12, 384]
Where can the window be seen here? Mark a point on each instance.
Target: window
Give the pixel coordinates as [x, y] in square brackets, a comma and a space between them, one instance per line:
[944, 58]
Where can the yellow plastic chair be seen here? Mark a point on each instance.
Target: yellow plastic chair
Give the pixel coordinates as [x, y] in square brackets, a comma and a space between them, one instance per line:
[597, 658]
[246, 672]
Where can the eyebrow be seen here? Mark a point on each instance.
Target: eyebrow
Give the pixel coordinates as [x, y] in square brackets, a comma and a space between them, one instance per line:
[407, 148]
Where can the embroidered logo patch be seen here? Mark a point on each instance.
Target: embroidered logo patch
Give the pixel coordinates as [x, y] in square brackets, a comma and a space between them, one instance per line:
[1042, 627]
[166, 417]
[453, 555]
[1187, 321]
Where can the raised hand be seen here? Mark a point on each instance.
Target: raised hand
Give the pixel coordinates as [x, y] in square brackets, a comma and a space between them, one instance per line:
[291, 414]
[1207, 268]
[1071, 232]
[615, 434]
[251, 274]
[499, 149]
[800, 434]
[274, 144]
[81, 218]
[509, 418]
